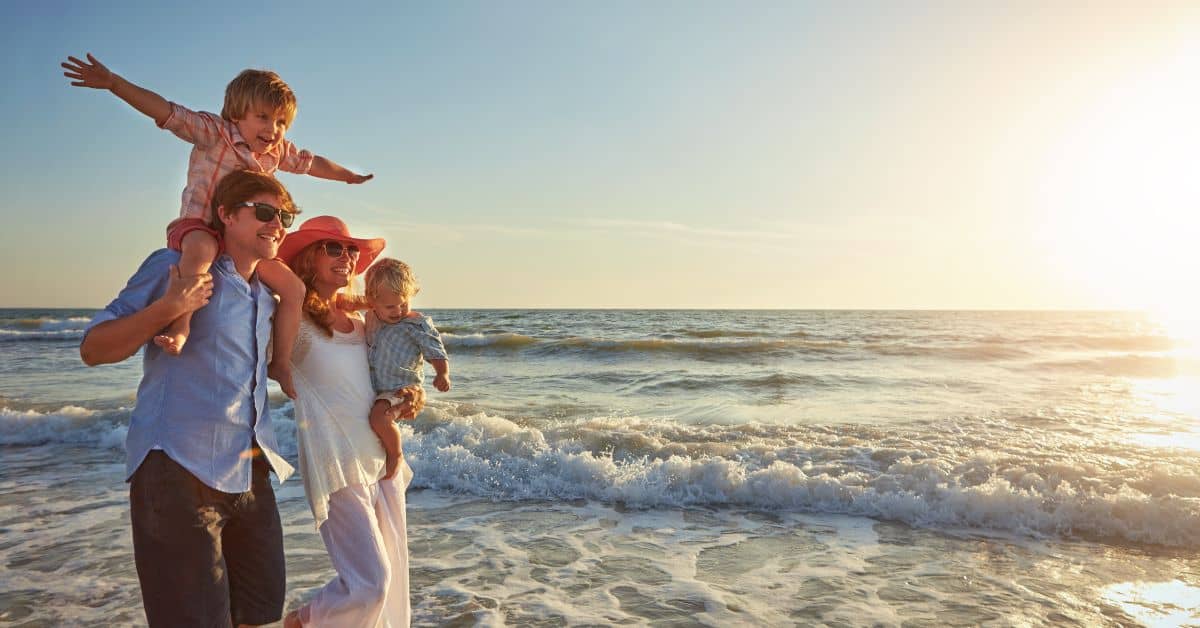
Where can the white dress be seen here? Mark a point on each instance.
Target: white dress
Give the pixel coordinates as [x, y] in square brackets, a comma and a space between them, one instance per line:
[360, 516]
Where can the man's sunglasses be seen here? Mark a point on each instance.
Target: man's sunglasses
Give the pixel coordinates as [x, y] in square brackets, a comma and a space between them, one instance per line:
[335, 249]
[266, 213]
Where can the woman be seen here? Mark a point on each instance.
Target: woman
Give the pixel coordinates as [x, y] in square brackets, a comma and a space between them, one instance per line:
[360, 515]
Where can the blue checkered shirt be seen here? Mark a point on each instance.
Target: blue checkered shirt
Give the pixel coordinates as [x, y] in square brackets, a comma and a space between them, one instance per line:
[398, 351]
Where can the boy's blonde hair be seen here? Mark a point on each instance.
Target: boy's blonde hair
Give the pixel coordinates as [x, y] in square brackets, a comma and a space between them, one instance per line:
[393, 275]
[261, 87]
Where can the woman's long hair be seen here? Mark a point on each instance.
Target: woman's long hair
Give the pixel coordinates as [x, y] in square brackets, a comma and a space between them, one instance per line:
[317, 309]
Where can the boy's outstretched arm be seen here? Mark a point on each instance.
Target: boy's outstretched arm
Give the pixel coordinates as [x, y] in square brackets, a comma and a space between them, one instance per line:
[93, 74]
[328, 169]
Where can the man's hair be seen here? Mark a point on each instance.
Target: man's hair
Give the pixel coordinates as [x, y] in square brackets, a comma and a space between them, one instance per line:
[392, 275]
[261, 87]
[241, 185]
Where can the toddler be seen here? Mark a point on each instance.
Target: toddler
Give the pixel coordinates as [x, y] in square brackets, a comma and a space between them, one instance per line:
[248, 135]
[399, 340]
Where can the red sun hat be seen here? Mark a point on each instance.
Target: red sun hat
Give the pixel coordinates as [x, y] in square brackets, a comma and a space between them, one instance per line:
[321, 228]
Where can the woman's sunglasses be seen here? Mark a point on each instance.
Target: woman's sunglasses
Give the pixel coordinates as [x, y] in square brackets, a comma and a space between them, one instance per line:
[266, 213]
[335, 249]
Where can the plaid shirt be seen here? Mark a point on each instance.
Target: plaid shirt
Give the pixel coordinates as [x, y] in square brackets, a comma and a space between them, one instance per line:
[218, 149]
[396, 350]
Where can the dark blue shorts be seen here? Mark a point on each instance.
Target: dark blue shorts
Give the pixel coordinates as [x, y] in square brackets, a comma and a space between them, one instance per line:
[205, 558]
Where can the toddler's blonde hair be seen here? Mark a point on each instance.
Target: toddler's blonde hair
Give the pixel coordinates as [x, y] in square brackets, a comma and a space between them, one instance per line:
[261, 87]
[393, 275]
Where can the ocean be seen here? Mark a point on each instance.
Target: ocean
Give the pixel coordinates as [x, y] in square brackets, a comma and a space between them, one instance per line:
[706, 468]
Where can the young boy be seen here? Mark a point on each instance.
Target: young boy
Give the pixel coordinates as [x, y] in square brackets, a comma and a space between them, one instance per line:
[248, 135]
[398, 338]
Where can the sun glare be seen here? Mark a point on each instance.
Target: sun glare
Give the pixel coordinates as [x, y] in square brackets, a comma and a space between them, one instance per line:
[1173, 603]
[1121, 193]
[1182, 323]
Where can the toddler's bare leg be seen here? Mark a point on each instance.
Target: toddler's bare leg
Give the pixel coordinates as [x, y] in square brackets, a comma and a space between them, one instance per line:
[389, 434]
[291, 290]
[197, 252]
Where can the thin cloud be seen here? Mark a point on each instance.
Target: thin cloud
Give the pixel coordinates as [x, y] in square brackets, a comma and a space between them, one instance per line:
[781, 241]
[457, 231]
[674, 228]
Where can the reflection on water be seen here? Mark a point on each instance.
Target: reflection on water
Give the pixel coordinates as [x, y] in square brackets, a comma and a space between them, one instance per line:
[1182, 324]
[1173, 603]
[1168, 409]
[1173, 396]
[1181, 440]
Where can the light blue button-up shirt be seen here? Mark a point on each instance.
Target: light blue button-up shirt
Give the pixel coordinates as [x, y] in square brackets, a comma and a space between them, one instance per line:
[204, 407]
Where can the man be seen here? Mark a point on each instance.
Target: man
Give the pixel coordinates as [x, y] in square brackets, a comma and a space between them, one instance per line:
[207, 538]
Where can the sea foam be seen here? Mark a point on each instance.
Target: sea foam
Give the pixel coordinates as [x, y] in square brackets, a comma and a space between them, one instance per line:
[45, 328]
[935, 480]
[978, 473]
[67, 424]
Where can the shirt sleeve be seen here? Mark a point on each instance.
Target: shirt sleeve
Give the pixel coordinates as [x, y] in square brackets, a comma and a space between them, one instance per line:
[197, 127]
[293, 159]
[146, 285]
[428, 338]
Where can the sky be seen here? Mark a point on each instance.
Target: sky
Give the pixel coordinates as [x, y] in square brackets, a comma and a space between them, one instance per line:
[619, 154]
